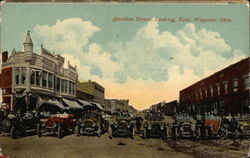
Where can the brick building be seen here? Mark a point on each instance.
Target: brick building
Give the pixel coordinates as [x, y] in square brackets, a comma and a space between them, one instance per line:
[226, 91]
[92, 91]
[28, 78]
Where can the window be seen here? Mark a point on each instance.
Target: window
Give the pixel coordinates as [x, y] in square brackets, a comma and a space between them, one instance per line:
[17, 75]
[201, 93]
[212, 91]
[226, 87]
[23, 76]
[218, 89]
[32, 77]
[73, 88]
[50, 80]
[66, 86]
[58, 84]
[70, 87]
[38, 78]
[235, 85]
[62, 85]
[196, 95]
[55, 83]
[246, 83]
[205, 92]
[45, 74]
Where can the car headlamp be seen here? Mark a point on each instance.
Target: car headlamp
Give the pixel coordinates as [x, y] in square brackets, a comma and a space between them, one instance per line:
[149, 127]
[241, 127]
[128, 126]
[162, 127]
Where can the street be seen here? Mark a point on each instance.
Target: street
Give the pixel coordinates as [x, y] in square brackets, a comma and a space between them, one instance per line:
[86, 146]
[93, 147]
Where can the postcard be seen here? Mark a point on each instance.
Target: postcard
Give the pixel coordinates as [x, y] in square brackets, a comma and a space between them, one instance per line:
[124, 80]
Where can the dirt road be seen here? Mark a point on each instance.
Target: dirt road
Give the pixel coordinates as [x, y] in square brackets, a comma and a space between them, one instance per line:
[87, 147]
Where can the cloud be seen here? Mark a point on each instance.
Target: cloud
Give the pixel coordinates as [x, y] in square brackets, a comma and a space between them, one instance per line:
[151, 53]
[71, 38]
[152, 66]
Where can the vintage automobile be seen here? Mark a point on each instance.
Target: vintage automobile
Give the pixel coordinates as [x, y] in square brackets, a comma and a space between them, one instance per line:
[17, 125]
[213, 126]
[121, 126]
[236, 127]
[90, 124]
[244, 126]
[183, 126]
[54, 119]
[155, 125]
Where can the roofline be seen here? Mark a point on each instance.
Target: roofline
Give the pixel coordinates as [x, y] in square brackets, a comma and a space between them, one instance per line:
[242, 60]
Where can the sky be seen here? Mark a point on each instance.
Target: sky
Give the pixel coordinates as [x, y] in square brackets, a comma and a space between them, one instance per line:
[144, 61]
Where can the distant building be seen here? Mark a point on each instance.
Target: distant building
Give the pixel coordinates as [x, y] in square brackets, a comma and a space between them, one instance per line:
[84, 96]
[131, 109]
[28, 78]
[115, 105]
[167, 108]
[226, 91]
[91, 89]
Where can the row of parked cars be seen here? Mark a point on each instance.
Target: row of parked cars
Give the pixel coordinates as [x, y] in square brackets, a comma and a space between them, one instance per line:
[53, 119]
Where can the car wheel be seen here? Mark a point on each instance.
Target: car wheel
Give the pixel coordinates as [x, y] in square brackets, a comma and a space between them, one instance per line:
[59, 132]
[14, 132]
[78, 131]
[198, 133]
[132, 133]
[145, 134]
[39, 132]
[174, 133]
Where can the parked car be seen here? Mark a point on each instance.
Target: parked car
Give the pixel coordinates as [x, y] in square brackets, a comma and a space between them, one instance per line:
[90, 124]
[17, 125]
[213, 126]
[183, 126]
[122, 126]
[155, 126]
[54, 120]
[244, 126]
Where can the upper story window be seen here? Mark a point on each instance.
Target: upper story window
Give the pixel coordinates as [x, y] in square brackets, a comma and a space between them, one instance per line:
[58, 84]
[218, 89]
[200, 93]
[212, 91]
[35, 77]
[23, 75]
[51, 78]
[38, 77]
[70, 86]
[62, 85]
[205, 89]
[45, 78]
[246, 83]
[226, 87]
[235, 85]
[73, 88]
[17, 75]
[66, 86]
[32, 77]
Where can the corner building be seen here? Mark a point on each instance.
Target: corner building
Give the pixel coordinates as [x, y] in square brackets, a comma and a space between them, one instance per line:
[28, 78]
[224, 92]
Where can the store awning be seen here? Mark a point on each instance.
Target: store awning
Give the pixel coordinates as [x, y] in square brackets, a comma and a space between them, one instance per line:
[49, 105]
[84, 103]
[72, 104]
[97, 105]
